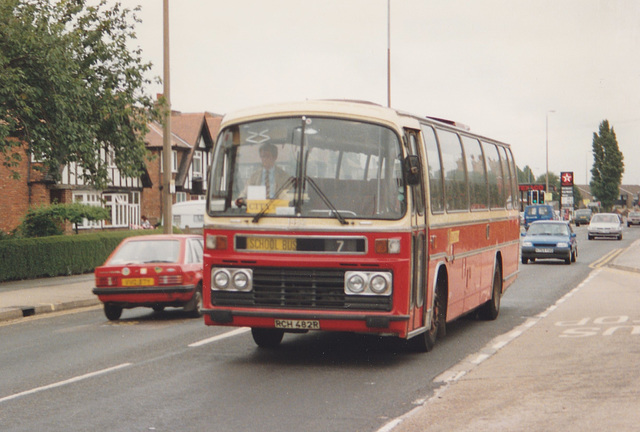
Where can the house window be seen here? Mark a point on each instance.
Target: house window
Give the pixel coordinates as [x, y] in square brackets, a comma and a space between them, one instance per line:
[174, 161]
[124, 208]
[88, 198]
[111, 158]
[181, 196]
[196, 165]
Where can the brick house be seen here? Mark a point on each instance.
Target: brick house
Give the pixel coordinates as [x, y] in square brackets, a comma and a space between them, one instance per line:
[127, 198]
[18, 195]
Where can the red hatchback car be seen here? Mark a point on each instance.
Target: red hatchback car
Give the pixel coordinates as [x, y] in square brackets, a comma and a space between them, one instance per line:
[152, 271]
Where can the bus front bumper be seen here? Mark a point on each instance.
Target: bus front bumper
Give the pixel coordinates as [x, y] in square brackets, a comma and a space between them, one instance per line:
[358, 322]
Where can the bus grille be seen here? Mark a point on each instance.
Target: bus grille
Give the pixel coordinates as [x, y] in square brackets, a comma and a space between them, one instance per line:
[300, 288]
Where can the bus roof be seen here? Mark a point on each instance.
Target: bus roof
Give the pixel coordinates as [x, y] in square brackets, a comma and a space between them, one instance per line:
[316, 107]
[362, 110]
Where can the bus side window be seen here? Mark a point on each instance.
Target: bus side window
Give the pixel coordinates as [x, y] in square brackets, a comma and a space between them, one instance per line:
[478, 190]
[417, 191]
[434, 169]
[508, 178]
[456, 190]
[514, 179]
[496, 180]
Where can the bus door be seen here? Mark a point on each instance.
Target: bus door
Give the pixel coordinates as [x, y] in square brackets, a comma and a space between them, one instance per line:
[418, 239]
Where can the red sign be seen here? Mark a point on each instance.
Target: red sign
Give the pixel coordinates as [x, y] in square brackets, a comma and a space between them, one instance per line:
[528, 187]
[566, 178]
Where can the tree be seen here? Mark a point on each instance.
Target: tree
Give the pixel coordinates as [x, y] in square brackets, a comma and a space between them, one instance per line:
[70, 86]
[525, 175]
[49, 220]
[608, 166]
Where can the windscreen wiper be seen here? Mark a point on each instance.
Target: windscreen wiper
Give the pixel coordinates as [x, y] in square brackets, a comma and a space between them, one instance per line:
[315, 187]
[326, 200]
[286, 184]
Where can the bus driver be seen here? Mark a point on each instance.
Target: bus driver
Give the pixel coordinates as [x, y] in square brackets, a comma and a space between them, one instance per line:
[268, 175]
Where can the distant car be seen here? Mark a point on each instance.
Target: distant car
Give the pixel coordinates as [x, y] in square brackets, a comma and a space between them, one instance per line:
[538, 212]
[633, 219]
[605, 225]
[549, 240]
[582, 217]
[154, 271]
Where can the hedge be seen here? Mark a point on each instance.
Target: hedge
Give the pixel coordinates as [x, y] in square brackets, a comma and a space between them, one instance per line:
[58, 255]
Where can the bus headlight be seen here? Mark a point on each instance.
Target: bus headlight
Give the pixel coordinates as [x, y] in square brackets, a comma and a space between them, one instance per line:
[379, 284]
[355, 283]
[231, 279]
[242, 280]
[368, 283]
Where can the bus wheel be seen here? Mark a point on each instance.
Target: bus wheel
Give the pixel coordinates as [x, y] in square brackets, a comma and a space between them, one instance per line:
[112, 312]
[267, 338]
[194, 305]
[425, 341]
[489, 311]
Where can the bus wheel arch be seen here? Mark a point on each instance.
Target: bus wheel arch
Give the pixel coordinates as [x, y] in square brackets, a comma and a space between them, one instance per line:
[426, 340]
[489, 311]
[441, 300]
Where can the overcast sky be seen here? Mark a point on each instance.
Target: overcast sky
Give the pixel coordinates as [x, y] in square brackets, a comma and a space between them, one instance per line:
[498, 66]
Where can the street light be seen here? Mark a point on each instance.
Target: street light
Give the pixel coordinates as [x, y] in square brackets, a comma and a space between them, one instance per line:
[389, 53]
[167, 199]
[547, 146]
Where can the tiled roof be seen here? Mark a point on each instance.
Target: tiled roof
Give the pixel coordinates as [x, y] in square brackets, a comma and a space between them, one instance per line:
[185, 131]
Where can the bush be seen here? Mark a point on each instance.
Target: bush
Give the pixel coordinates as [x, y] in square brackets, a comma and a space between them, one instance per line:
[49, 220]
[58, 255]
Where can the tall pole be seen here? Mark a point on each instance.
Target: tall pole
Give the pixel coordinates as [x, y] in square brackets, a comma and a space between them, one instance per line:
[547, 147]
[166, 143]
[389, 53]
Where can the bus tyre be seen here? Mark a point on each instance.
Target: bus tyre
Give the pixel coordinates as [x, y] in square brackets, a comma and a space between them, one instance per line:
[112, 312]
[267, 338]
[425, 341]
[490, 310]
[193, 306]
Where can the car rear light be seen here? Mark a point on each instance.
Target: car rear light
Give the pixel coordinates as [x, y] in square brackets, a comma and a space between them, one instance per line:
[170, 279]
[106, 281]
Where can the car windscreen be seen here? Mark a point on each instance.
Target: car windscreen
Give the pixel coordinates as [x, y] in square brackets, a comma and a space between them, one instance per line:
[147, 251]
[548, 229]
[604, 218]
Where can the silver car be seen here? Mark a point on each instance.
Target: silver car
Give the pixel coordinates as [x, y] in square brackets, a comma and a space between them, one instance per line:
[605, 225]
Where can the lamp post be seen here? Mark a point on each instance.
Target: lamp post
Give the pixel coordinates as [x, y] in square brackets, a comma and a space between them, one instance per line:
[546, 174]
[167, 200]
[389, 53]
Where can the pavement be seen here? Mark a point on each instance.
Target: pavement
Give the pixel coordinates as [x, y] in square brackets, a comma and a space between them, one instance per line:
[574, 367]
[24, 298]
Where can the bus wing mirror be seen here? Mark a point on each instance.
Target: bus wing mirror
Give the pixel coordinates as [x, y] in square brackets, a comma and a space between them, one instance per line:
[412, 170]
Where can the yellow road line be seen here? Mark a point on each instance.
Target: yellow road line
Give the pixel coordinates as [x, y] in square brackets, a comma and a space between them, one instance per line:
[606, 259]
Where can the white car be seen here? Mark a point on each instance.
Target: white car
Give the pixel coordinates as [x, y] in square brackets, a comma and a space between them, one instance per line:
[605, 225]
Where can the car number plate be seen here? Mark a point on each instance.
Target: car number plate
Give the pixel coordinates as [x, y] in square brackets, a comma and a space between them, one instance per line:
[544, 250]
[137, 282]
[297, 324]
[271, 244]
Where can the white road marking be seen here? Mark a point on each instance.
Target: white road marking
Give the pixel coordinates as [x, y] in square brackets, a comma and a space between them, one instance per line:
[65, 382]
[229, 334]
